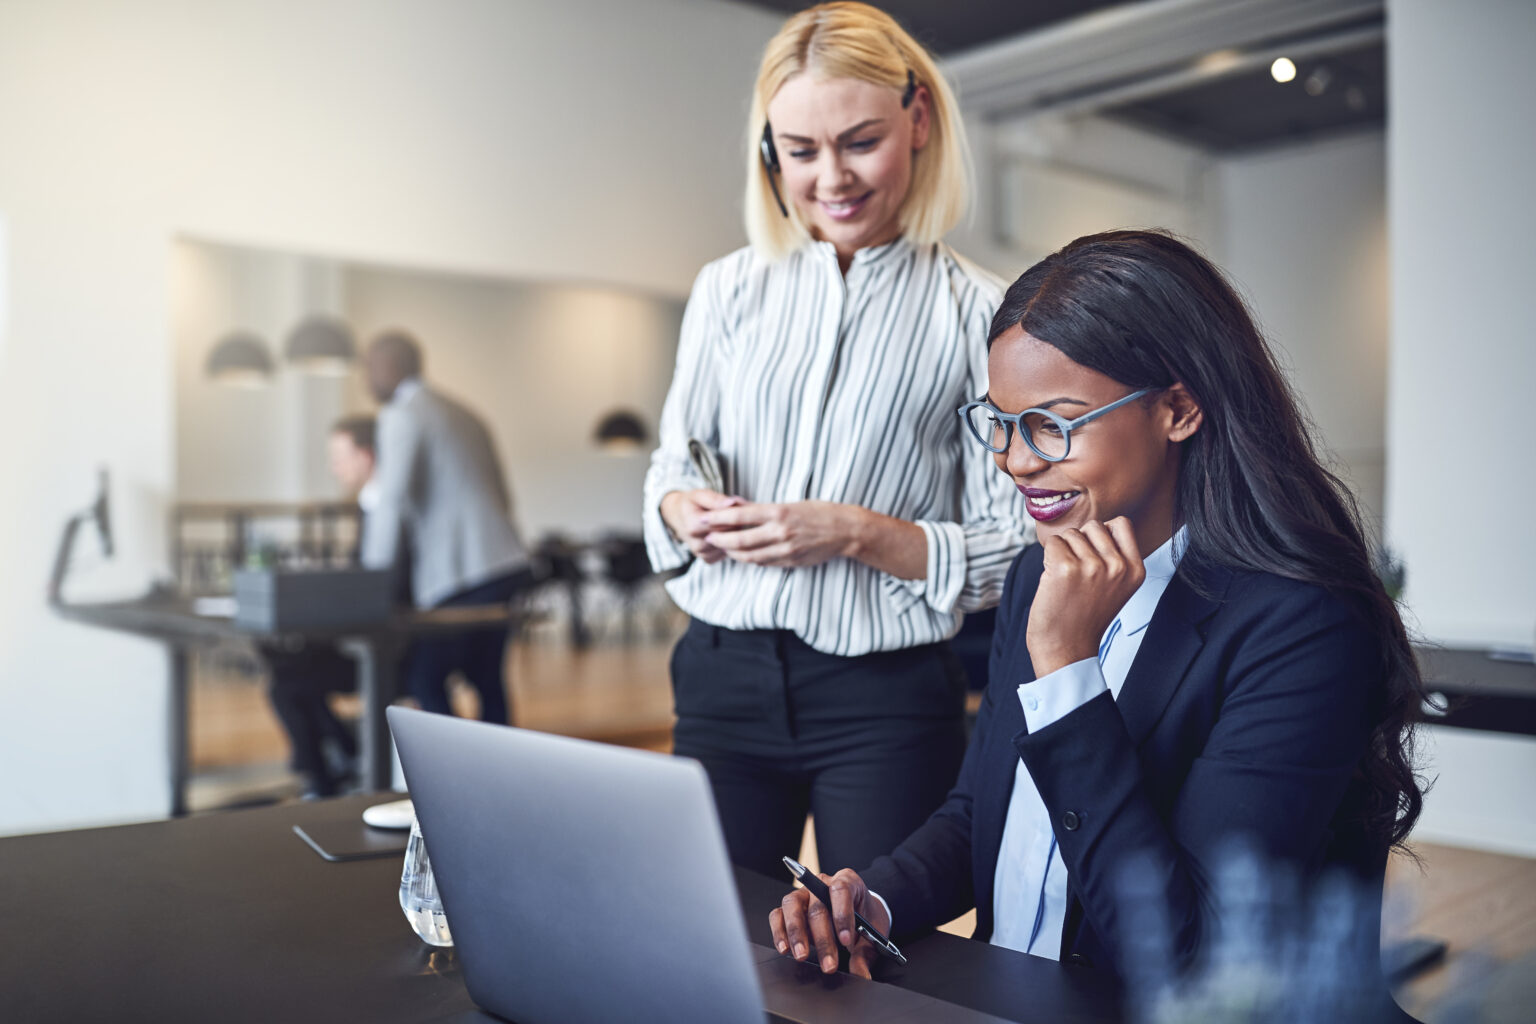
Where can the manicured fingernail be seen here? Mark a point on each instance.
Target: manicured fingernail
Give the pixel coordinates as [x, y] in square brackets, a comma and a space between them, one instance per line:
[829, 964]
[799, 951]
[783, 948]
[845, 938]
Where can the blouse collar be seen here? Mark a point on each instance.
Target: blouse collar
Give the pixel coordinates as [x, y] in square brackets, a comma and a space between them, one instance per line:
[869, 256]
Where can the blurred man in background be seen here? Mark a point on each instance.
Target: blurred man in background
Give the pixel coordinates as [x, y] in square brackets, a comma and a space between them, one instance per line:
[440, 489]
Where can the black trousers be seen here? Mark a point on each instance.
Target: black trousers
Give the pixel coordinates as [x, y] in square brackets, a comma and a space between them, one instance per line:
[300, 681]
[869, 745]
[478, 654]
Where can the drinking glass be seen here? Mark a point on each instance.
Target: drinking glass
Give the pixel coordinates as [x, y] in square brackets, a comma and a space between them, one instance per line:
[418, 892]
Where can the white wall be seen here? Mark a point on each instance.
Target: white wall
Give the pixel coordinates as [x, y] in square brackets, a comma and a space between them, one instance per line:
[1044, 181]
[1460, 161]
[251, 444]
[1481, 797]
[5, 299]
[1459, 498]
[586, 139]
[1303, 232]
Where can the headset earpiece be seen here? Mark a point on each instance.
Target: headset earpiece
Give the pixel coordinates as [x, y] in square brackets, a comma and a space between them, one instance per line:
[766, 147]
[770, 157]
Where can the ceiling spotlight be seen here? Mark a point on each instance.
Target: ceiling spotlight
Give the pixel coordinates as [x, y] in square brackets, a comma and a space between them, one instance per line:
[1354, 98]
[1318, 81]
[1282, 70]
[1219, 62]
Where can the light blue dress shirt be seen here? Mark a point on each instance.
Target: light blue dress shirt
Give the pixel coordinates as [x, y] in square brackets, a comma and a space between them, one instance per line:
[1029, 893]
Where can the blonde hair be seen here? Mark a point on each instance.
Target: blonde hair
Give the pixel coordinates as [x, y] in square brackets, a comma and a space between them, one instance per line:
[854, 40]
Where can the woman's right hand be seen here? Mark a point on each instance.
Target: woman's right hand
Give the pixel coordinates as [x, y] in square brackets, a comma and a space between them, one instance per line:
[1089, 575]
[802, 923]
[684, 512]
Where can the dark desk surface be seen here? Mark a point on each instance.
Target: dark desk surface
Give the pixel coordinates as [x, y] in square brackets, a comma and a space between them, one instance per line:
[230, 917]
[173, 620]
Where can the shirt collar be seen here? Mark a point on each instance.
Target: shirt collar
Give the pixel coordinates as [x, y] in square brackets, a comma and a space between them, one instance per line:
[881, 253]
[404, 390]
[869, 256]
[1136, 615]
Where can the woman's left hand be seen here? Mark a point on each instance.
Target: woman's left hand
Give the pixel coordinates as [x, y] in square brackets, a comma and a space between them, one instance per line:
[786, 535]
[1089, 575]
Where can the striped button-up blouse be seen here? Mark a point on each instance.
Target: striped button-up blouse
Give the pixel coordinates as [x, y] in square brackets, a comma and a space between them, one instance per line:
[813, 385]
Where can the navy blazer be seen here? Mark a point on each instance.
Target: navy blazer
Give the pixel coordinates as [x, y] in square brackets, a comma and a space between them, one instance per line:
[1247, 711]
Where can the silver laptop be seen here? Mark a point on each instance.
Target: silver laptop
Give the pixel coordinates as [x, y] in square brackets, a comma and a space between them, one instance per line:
[582, 882]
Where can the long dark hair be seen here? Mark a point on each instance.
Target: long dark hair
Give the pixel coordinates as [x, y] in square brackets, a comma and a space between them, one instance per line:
[1145, 309]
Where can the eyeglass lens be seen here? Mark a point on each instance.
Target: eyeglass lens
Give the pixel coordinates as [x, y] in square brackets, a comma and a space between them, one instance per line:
[1045, 434]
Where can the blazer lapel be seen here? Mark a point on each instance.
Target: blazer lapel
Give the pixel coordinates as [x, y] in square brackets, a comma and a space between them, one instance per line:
[1174, 636]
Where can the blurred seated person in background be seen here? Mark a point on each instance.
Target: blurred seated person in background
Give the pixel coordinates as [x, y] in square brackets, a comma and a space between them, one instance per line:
[439, 489]
[1198, 654]
[303, 677]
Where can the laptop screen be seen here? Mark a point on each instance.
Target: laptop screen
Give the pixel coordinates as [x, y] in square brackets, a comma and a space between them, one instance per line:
[582, 882]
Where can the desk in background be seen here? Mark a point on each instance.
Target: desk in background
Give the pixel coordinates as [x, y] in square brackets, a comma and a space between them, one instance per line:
[230, 917]
[1481, 692]
[377, 648]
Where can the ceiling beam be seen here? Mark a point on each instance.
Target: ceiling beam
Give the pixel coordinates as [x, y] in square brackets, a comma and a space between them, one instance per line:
[1136, 51]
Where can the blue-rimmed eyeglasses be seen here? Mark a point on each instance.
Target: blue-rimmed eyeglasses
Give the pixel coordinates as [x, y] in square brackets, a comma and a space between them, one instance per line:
[1047, 434]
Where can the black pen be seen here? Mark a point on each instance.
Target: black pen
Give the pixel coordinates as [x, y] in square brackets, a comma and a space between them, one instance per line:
[816, 887]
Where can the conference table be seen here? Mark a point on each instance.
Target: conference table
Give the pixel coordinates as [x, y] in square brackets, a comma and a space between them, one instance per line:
[377, 647]
[231, 917]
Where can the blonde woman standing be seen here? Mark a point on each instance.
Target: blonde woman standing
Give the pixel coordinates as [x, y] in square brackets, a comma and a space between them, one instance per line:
[854, 526]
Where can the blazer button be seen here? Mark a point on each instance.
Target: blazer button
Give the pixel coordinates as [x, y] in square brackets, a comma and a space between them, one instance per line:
[1078, 960]
[1070, 821]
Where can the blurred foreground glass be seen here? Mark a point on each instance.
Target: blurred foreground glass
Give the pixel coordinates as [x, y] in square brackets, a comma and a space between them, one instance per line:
[418, 892]
[1274, 947]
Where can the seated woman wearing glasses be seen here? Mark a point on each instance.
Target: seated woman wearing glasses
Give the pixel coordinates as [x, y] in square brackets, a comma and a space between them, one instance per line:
[1198, 652]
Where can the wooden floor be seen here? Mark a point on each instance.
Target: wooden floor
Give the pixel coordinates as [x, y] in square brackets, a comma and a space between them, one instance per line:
[613, 692]
[1482, 904]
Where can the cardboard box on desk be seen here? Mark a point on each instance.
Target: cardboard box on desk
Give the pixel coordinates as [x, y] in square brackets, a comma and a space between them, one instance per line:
[269, 600]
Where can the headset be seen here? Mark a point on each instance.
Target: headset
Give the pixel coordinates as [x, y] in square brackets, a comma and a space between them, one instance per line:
[770, 153]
